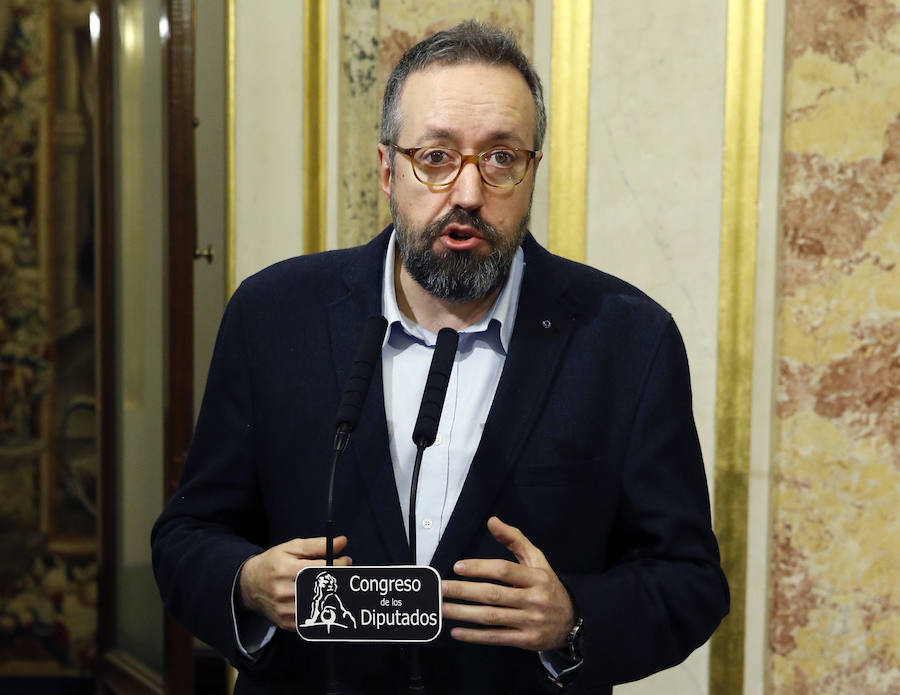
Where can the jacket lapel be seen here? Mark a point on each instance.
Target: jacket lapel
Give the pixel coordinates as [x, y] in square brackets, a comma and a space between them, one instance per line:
[368, 447]
[544, 323]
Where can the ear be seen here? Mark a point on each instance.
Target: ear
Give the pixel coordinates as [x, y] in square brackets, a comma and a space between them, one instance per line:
[384, 170]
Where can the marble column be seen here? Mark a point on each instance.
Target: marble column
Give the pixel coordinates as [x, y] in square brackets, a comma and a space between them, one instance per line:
[834, 576]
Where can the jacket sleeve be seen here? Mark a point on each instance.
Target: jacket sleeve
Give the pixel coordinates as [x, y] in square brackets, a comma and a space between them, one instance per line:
[215, 520]
[664, 592]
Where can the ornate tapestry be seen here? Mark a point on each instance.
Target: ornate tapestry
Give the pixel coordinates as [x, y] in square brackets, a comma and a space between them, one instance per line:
[47, 477]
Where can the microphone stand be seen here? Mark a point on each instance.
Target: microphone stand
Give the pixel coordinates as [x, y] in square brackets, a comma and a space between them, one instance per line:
[341, 437]
[348, 413]
[416, 684]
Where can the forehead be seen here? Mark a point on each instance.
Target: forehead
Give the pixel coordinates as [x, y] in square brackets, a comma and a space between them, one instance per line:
[467, 105]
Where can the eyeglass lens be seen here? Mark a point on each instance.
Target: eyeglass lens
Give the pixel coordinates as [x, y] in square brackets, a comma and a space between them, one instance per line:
[499, 167]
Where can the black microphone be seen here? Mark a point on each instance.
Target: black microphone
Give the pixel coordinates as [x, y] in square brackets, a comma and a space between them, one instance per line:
[367, 356]
[426, 427]
[424, 434]
[425, 431]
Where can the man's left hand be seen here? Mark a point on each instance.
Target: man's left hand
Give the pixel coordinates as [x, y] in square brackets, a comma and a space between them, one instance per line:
[533, 611]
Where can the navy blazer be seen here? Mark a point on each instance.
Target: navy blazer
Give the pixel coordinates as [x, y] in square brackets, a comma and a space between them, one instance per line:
[590, 449]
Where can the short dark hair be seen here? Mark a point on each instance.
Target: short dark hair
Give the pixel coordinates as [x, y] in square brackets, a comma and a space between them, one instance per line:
[468, 42]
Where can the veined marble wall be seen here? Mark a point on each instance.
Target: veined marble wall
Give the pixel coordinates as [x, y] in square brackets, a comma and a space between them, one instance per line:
[834, 622]
[655, 191]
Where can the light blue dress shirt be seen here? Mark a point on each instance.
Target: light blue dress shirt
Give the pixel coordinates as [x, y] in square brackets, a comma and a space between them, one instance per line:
[405, 359]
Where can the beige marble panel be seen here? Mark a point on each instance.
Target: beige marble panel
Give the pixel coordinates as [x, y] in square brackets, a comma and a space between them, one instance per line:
[835, 607]
[654, 192]
[268, 147]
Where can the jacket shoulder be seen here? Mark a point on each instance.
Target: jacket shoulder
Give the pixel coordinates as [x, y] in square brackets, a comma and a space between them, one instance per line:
[298, 274]
[590, 290]
[316, 277]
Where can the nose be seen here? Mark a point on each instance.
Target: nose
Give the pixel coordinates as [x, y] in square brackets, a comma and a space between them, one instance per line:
[468, 190]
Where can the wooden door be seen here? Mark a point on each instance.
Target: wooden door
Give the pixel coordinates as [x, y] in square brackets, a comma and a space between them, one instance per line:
[145, 255]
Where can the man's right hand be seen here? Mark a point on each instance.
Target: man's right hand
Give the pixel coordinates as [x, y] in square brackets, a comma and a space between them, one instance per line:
[267, 580]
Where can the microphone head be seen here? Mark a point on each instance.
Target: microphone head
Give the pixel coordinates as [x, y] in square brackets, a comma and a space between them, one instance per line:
[425, 431]
[367, 355]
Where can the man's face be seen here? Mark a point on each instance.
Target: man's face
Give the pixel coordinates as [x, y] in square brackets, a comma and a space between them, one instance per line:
[458, 242]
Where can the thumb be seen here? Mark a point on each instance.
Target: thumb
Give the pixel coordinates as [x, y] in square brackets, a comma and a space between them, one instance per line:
[517, 543]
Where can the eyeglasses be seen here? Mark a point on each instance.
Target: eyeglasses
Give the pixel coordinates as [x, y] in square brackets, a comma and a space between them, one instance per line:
[438, 167]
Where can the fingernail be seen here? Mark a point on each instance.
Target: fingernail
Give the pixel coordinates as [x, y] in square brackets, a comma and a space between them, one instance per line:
[459, 567]
[443, 588]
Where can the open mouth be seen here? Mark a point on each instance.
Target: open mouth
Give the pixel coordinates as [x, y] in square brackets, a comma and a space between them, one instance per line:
[460, 237]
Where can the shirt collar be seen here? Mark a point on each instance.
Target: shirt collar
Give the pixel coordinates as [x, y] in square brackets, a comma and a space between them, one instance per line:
[502, 311]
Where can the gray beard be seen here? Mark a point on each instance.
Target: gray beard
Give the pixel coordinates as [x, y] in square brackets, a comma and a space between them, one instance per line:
[456, 276]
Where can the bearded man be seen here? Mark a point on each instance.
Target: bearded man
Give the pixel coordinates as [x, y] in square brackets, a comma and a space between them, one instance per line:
[564, 502]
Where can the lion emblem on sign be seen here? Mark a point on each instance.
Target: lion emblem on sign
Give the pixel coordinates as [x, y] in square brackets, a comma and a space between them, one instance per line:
[326, 609]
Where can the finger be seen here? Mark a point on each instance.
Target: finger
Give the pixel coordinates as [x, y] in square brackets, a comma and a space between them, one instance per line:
[517, 543]
[283, 593]
[284, 584]
[491, 616]
[481, 592]
[316, 547]
[287, 569]
[297, 565]
[312, 547]
[499, 570]
[287, 617]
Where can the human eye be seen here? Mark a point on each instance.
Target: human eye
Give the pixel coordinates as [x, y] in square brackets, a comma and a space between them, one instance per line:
[434, 157]
[502, 158]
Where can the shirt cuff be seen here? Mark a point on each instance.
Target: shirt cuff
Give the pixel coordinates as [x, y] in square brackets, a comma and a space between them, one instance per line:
[252, 630]
[559, 664]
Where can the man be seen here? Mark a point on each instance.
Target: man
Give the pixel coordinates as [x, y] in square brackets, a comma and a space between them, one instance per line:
[564, 503]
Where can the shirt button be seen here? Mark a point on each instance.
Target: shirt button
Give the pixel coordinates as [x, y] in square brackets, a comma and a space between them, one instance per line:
[438, 440]
[426, 523]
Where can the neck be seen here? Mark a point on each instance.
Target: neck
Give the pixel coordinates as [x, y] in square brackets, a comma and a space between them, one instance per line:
[433, 313]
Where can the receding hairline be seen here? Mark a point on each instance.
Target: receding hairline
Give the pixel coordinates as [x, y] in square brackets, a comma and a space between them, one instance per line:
[470, 41]
[438, 64]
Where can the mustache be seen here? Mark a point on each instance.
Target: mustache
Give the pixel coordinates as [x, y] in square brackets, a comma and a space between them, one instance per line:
[461, 216]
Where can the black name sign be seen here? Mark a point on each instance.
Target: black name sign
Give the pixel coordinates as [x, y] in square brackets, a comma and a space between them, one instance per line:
[368, 604]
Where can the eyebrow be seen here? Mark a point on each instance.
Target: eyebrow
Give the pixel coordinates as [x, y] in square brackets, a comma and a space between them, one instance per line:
[449, 135]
